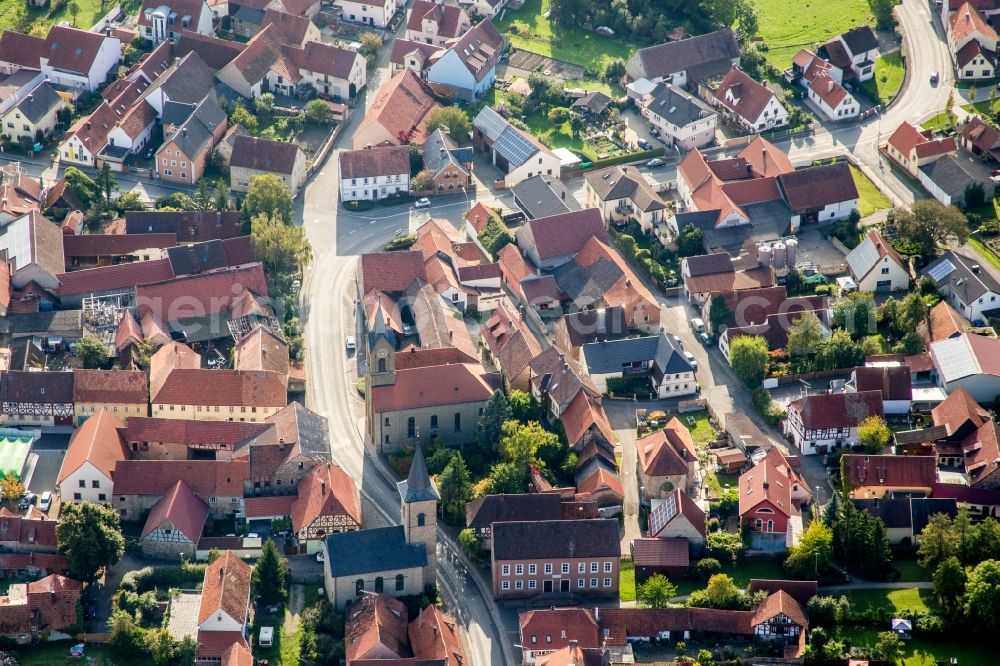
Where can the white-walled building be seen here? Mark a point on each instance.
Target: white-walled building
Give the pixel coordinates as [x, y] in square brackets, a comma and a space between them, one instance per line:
[160, 20]
[748, 103]
[828, 421]
[681, 119]
[876, 266]
[88, 467]
[468, 66]
[376, 13]
[518, 154]
[79, 59]
[374, 173]
[963, 282]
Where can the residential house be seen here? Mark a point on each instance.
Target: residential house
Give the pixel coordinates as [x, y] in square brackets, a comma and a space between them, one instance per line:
[655, 356]
[544, 631]
[854, 52]
[680, 118]
[79, 59]
[875, 265]
[573, 330]
[19, 193]
[516, 153]
[397, 560]
[622, 194]
[397, 114]
[747, 307]
[35, 115]
[467, 68]
[19, 51]
[873, 476]
[748, 104]
[327, 503]
[823, 82]
[543, 196]
[159, 22]
[88, 136]
[829, 421]
[37, 399]
[449, 166]
[772, 495]
[510, 345]
[950, 179]
[893, 382]
[29, 611]
[677, 516]
[123, 393]
[189, 226]
[87, 472]
[912, 149]
[224, 611]
[965, 437]
[257, 157]
[330, 70]
[376, 13]
[148, 438]
[409, 54]
[297, 30]
[374, 173]
[973, 43]
[686, 61]
[667, 461]
[587, 427]
[906, 517]
[435, 22]
[543, 557]
[818, 194]
[980, 139]
[175, 524]
[247, 16]
[964, 284]
[556, 380]
[482, 514]
[34, 251]
[190, 132]
[711, 273]
[375, 629]
[943, 322]
[552, 241]
[140, 484]
[971, 362]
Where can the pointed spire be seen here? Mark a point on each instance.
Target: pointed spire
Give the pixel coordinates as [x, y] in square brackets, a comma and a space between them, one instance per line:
[418, 485]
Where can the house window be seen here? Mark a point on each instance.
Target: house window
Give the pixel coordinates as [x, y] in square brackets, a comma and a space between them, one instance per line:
[101, 497]
[505, 585]
[579, 583]
[593, 567]
[421, 520]
[379, 584]
[399, 582]
[95, 484]
[607, 567]
[518, 584]
[593, 582]
[77, 496]
[434, 422]
[83, 483]
[565, 568]
[359, 586]
[607, 582]
[518, 569]
[458, 422]
[581, 567]
[505, 570]
[532, 569]
[532, 584]
[548, 567]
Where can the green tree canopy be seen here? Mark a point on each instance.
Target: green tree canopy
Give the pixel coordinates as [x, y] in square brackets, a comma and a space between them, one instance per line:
[521, 442]
[318, 112]
[454, 120]
[523, 406]
[813, 552]
[267, 194]
[982, 596]
[690, 241]
[928, 225]
[92, 352]
[720, 592]
[718, 314]
[494, 235]
[874, 434]
[839, 350]
[949, 585]
[856, 314]
[937, 541]
[748, 358]
[506, 478]
[860, 543]
[283, 248]
[455, 484]
[496, 412]
[656, 592]
[89, 536]
[270, 576]
[805, 335]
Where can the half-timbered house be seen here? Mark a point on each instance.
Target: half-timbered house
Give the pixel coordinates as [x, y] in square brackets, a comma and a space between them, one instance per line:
[175, 524]
[37, 398]
[327, 503]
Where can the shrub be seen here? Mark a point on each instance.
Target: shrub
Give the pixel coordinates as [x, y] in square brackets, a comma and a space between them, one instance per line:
[829, 610]
[707, 567]
[724, 545]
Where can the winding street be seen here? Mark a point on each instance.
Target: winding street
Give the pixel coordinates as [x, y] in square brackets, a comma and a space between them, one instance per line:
[329, 292]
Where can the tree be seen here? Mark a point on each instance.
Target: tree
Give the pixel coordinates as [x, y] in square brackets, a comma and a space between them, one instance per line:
[839, 351]
[270, 576]
[318, 112]
[860, 543]
[422, 182]
[937, 541]
[213, 555]
[724, 545]
[856, 314]
[748, 358]
[805, 335]
[832, 510]
[982, 595]
[106, 183]
[89, 536]
[874, 434]
[558, 115]
[882, 10]
[176, 201]
[949, 585]
[927, 225]
[127, 201]
[718, 314]
[871, 345]
[523, 406]
[721, 592]
[91, 352]
[470, 543]
[74, 10]
[370, 43]
[454, 120]
[707, 567]
[507, 479]
[656, 592]
[494, 235]
[125, 636]
[888, 646]
[613, 70]
[241, 116]
[496, 412]
[730, 12]
[912, 312]
[282, 248]
[264, 104]
[455, 484]
[268, 194]
[10, 486]
[520, 442]
[986, 540]
[813, 552]
[160, 645]
[82, 185]
[690, 241]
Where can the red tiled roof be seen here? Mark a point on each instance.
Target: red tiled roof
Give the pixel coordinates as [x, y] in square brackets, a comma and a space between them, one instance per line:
[667, 452]
[892, 381]
[600, 480]
[92, 130]
[117, 276]
[375, 162]
[200, 295]
[687, 508]
[780, 603]
[943, 322]
[213, 644]
[72, 50]
[189, 432]
[564, 234]
[110, 386]
[215, 52]
[265, 507]
[402, 47]
[376, 622]
[21, 49]
[184, 510]
[400, 106]
[837, 410]
[235, 388]
[105, 245]
[422, 358]
[581, 415]
[226, 588]
[877, 470]
[262, 349]
[966, 22]
[620, 624]
[958, 409]
[561, 625]
[54, 599]
[448, 18]
[432, 386]
[207, 478]
[96, 441]
[479, 214]
[326, 490]
[263, 155]
[435, 635]
[750, 97]
[391, 271]
[766, 159]
[660, 552]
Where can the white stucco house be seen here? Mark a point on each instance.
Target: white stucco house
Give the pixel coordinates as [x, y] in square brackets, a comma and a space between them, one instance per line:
[876, 267]
[88, 467]
[79, 59]
[682, 119]
[375, 13]
[964, 283]
[468, 66]
[374, 173]
[824, 422]
[970, 361]
[748, 103]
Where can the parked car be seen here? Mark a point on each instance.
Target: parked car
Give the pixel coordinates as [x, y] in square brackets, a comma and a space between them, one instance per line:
[352, 344]
[706, 339]
[697, 325]
[678, 341]
[423, 202]
[691, 359]
[655, 162]
[46, 502]
[645, 145]
[27, 500]
[934, 77]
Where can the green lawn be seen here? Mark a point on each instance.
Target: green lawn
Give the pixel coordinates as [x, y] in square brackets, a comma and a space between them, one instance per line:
[870, 198]
[986, 253]
[790, 26]
[911, 572]
[88, 14]
[539, 126]
[46, 654]
[920, 652]
[941, 122]
[888, 78]
[572, 44]
[702, 432]
[764, 568]
[897, 600]
[626, 581]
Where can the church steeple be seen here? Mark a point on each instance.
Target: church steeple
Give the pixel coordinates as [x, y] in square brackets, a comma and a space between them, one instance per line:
[419, 499]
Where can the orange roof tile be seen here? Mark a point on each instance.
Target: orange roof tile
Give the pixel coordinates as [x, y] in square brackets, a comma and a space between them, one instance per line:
[96, 441]
[326, 490]
[226, 588]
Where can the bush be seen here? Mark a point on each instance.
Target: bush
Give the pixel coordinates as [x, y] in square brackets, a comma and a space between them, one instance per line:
[707, 567]
[724, 545]
[829, 610]
[767, 407]
[187, 575]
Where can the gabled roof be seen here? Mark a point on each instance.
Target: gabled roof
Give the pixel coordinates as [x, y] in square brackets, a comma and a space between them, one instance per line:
[207, 478]
[21, 49]
[400, 106]
[869, 253]
[447, 18]
[818, 186]
[672, 552]
[907, 138]
[860, 39]
[888, 470]
[226, 588]
[965, 356]
[675, 105]
[73, 50]
[96, 442]
[374, 162]
[966, 22]
[376, 623]
[892, 381]
[837, 410]
[292, 27]
[582, 414]
[667, 452]
[564, 234]
[184, 510]
[216, 53]
[433, 386]
[665, 59]
[677, 504]
[961, 275]
[617, 182]
[326, 490]
[511, 143]
[479, 49]
[435, 635]
[189, 432]
[780, 603]
[189, 225]
[979, 134]
[742, 95]
[957, 411]
[110, 386]
[766, 482]
[404, 47]
[482, 513]
[262, 52]
[263, 155]
[39, 102]
[372, 550]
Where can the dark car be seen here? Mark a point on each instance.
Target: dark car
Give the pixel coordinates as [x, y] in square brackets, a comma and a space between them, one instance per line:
[705, 339]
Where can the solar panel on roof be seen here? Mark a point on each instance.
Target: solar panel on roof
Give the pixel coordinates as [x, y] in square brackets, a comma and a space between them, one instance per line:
[513, 147]
[942, 270]
[490, 123]
[664, 512]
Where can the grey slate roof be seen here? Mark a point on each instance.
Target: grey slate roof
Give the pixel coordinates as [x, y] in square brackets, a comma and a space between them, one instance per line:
[595, 102]
[196, 133]
[372, 551]
[677, 106]
[418, 486]
[715, 50]
[895, 513]
[56, 322]
[486, 511]
[961, 280]
[951, 175]
[39, 102]
[860, 39]
[542, 196]
[585, 286]
[922, 508]
[617, 182]
[556, 539]
[440, 150]
[188, 82]
[611, 356]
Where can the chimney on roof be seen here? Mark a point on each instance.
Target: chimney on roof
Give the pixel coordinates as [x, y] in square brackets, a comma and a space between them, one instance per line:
[322, 486]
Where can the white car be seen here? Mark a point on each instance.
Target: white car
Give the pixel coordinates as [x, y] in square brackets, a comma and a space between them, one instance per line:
[46, 501]
[352, 344]
[423, 202]
[691, 359]
[319, 556]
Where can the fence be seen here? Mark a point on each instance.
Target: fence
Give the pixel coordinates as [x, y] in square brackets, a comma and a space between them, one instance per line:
[810, 376]
[324, 149]
[93, 638]
[612, 161]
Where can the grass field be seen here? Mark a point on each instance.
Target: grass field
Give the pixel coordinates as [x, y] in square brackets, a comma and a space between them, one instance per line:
[89, 12]
[553, 136]
[986, 253]
[911, 572]
[870, 198]
[46, 654]
[920, 652]
[911, 598]
[575, 45]
[790, 26]
[702, 432]
[888, 79]
[626, 581]
[742, 572]
[939, 123]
